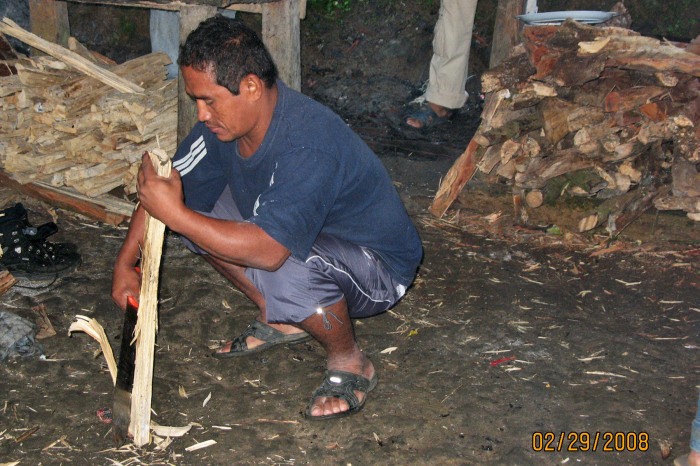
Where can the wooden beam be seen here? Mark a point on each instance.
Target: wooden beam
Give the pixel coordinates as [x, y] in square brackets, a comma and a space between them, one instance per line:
[258, 8]
[280, 31]
[172, 5]
[190, 17]
[48, 19]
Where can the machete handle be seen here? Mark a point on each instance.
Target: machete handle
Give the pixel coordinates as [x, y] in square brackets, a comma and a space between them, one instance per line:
[131, 301]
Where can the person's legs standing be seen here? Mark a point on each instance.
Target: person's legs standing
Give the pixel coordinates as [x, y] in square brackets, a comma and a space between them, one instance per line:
[451, 48]
[449, 65]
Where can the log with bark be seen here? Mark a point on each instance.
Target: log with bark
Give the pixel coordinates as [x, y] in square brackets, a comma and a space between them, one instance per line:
[591, 111]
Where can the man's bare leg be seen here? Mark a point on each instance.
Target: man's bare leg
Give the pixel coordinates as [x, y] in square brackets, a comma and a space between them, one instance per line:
[236, 275]
[336, 335]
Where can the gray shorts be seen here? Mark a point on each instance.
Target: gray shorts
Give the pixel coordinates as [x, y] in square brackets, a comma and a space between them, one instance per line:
[334, 269]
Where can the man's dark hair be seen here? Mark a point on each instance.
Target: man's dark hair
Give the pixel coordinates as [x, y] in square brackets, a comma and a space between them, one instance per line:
[230, 51]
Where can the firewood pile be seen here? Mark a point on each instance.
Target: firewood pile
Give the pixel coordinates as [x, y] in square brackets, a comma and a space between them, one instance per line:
[600, 112]
[72, 128]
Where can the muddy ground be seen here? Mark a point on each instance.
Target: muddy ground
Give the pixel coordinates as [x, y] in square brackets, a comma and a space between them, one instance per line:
[509, 338]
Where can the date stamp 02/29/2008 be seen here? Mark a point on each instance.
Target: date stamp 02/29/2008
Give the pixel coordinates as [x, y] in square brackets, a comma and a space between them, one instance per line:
[590, 441]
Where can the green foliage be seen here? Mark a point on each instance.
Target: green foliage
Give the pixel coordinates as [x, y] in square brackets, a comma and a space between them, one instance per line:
[331, 6]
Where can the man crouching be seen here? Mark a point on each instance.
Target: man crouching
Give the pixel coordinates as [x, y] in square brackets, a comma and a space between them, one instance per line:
[285, 201]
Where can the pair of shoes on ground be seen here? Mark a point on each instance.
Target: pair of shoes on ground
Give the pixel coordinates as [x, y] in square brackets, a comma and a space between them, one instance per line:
[428, 118]
[339, 384]
[27, 254]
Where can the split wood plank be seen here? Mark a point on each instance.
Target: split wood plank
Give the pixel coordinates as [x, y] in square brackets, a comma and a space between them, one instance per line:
[457, 177]
[147, 325]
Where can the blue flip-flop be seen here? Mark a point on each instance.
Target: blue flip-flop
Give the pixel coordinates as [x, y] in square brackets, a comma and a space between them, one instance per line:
[427, 117]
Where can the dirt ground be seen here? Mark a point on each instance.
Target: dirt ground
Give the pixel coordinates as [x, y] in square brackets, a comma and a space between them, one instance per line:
[515, 346]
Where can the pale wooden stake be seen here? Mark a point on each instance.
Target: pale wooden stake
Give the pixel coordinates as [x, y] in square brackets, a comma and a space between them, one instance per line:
[147, 325]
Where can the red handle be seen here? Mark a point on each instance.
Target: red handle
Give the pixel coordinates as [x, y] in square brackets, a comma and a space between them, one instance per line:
[131, 301]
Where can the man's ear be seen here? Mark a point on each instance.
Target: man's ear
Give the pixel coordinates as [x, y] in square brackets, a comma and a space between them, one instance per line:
[251, 86]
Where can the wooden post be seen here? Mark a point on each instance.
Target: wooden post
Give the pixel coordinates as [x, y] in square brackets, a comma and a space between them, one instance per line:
[190, 17]
[506, 30]
[280, 33]
[48, 19]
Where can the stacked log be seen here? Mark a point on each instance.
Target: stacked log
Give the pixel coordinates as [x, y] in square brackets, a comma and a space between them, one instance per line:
[63, 128]
[600, 112]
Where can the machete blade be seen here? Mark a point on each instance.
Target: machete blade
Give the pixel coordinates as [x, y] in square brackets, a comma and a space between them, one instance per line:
[121, 410]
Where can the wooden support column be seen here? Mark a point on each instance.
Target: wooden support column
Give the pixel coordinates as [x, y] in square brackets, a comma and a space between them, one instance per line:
[280, 31]
[506, 30]
[190, 17]
[48, 19]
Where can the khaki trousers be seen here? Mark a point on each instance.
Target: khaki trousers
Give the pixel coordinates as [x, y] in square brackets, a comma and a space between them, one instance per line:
[451, 45]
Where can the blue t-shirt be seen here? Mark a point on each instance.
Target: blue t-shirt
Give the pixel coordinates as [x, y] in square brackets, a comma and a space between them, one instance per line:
[311, 174]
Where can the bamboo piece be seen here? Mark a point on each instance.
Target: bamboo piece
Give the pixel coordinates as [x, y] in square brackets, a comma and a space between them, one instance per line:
[7, 26]
[147, 325]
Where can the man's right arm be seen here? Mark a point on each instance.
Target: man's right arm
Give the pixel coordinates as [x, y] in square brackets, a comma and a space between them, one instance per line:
[126, 281]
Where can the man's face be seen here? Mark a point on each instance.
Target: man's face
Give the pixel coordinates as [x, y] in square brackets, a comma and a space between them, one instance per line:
[226, 115]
